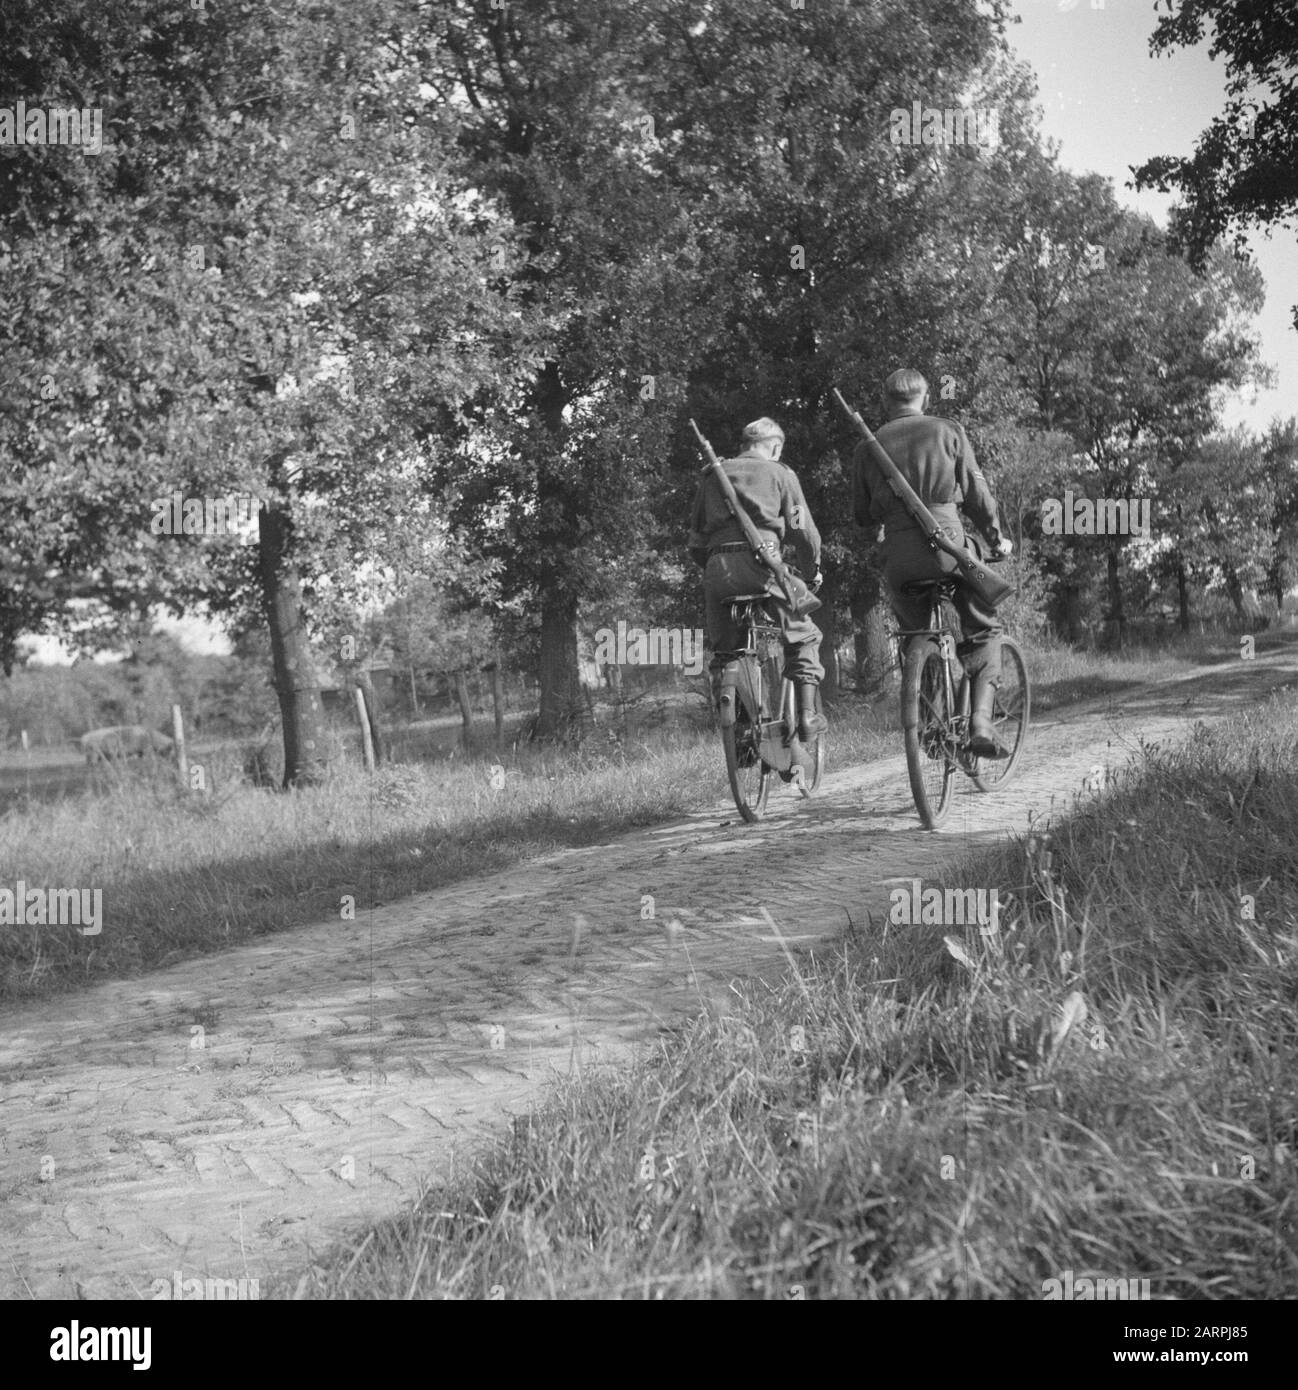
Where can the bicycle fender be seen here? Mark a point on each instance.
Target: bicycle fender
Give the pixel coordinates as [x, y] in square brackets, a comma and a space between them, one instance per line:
[737, 686]
[910, 675]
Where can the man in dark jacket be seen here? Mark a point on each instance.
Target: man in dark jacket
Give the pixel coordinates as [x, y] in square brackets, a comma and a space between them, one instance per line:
[935, 457]
[770, 492]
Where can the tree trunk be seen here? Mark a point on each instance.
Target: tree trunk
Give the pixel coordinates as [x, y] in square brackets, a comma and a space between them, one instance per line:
[561, 700]
[1116, 617]
[1234, 589]
[1281, 567]
[1183, 593]
[561, 696]
[9, 630]
[827, 621]
[366, 686]
[296, 684]
[414, 698]
[466, 708]
[1070, 610]
[497, 699]
[871, 647]
[1275, 571]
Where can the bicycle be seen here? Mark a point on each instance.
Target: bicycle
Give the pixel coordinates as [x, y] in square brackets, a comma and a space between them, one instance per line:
[759, 714]
[935, 709]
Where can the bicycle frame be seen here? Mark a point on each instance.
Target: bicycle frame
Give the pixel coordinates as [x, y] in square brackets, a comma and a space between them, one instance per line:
[957, 693]
[936, 725]
[744, 679]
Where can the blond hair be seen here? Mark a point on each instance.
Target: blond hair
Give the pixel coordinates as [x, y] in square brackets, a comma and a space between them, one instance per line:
[765, 428]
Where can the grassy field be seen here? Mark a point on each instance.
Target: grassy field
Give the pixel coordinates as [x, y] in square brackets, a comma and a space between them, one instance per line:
[188, 873]
[1107, 1086]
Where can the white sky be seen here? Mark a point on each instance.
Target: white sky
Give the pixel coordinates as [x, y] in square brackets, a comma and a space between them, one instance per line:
[1111, 105]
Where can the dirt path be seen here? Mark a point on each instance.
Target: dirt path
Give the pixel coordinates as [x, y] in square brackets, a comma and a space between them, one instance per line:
[344, 1062]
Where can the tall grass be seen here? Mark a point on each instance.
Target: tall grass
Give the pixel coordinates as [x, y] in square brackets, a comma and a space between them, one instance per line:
[185, 872]
[1107, 1086]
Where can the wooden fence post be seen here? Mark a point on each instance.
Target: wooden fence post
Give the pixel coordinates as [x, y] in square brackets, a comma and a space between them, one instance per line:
[178, 738]
[497, 698]
[366, 686]
[466, 707]
[367, 743]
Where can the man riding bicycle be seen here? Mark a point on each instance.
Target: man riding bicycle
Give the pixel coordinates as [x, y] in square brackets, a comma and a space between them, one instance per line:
[770, 492]
[935, 457]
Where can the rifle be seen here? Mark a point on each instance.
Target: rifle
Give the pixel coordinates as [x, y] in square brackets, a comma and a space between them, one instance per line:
[987, 587]
[797, 596]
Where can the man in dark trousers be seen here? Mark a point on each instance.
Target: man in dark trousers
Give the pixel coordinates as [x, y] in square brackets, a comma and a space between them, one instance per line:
[935, 457]
[772, 495]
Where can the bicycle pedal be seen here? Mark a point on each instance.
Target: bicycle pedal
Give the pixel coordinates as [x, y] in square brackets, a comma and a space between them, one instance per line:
[798, 776]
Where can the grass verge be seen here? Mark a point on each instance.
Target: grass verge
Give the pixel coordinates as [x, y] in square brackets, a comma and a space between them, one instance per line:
[1106, 1086]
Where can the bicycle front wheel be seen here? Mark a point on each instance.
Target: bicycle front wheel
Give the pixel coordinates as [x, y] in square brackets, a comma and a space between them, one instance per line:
[750, 778]
[1010, 716]
[928, 720]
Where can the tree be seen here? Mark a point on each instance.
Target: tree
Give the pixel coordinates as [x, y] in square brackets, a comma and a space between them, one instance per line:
[1280, 457]
[278, 203]
[1224, 505]
[558, 483]
[844, 253]
[1122, 346]
[1028, 466]
[1244, 170]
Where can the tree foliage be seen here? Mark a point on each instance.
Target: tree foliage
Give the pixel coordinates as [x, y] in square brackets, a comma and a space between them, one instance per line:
[1244, 169]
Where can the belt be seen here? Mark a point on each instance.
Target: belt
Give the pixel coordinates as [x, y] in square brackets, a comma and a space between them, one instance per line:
[731, 545]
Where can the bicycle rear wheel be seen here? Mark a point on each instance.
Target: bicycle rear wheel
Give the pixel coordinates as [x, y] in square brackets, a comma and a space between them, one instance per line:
[749, 776]
[929, 724]
[1010, 717]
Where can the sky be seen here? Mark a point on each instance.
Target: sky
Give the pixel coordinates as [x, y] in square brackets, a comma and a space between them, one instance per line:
[1109, 104]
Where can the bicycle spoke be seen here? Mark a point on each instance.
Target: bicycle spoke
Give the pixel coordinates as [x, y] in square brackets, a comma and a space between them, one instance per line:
[930, 732]
[748, 774]
[1010, 719]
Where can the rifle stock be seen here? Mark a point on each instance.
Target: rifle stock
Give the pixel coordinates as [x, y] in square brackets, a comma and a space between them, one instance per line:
[990, 588]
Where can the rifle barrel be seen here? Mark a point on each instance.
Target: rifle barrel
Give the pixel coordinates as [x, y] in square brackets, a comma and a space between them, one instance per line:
[708, 451]
[851, 414]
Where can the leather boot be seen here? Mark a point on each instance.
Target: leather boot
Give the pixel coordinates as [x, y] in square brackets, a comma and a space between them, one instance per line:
[982, 733]
[810, 721]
